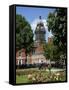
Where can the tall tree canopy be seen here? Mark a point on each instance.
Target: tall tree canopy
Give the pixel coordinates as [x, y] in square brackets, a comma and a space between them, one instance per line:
[24, 34]
[57, 23]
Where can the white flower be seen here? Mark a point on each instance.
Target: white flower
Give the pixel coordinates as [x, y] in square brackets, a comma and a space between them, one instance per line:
[33, 79]
[57, 74]
[29, 76]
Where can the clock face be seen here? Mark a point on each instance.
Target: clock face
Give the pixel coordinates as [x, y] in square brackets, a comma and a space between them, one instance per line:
[42, 27]
[37, 27]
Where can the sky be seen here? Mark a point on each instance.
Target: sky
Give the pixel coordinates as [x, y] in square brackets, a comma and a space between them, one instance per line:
[32, 16]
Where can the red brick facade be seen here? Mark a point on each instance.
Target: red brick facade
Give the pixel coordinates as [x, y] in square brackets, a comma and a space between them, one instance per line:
[20, 56]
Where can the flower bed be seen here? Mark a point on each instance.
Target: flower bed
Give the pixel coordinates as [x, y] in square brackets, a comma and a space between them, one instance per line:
[37, 76]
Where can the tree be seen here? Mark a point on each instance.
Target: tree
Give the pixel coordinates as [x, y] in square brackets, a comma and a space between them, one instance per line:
[48, 50]
[57, 23]
[48, 53]
[24, 34]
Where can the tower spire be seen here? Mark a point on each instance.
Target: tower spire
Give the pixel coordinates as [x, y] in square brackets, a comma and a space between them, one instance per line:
[40, 17]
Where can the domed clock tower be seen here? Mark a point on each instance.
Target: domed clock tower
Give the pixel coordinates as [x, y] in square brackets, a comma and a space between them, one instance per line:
[38, 51]
[39, 36]
[40, 31]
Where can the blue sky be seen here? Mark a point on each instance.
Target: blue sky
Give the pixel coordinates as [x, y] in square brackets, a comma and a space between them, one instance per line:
[32, 14]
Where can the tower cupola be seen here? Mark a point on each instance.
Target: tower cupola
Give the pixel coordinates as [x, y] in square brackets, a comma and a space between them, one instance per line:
[40, 31]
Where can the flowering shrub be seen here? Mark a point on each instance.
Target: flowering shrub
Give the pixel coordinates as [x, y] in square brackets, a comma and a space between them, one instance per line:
[41, 77]
[36, 76]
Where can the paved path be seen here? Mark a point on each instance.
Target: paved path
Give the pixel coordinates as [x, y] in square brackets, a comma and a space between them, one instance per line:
[56, 70]
[36, 69]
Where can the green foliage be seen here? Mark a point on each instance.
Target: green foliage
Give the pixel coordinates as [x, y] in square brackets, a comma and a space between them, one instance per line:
[48, 50]
[52, 52]
[24, 34]
[57, 23]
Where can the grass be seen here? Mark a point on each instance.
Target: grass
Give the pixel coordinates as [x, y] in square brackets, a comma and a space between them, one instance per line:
[38, 76]
[21, 79]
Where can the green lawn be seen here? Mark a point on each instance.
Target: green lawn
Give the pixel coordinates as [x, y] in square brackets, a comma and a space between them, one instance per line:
[35, 76]
[22, 79]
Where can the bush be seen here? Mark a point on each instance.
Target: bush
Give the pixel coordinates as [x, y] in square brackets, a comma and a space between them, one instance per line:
[35, 76]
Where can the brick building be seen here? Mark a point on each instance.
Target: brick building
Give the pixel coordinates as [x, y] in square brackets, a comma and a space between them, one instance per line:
[36, 55]
[20, 56]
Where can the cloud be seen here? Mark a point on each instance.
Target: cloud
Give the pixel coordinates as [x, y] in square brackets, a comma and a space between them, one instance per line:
[34, 24]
